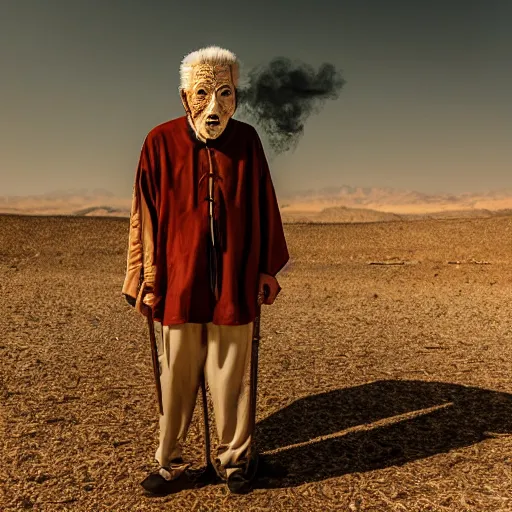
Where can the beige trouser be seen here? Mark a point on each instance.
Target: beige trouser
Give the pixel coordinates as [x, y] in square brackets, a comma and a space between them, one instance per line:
[224, 353]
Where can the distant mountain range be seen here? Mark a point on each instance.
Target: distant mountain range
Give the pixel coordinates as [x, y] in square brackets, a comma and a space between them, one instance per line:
[80, 202]
[324, 204]
[63, 194]
[386, 195]
[393, 200]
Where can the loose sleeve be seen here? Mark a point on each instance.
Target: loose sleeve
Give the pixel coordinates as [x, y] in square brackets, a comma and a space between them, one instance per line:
[140, 269]
[274, 251]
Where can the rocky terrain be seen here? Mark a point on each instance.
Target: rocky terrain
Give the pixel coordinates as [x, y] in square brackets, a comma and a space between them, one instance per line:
[385, 371]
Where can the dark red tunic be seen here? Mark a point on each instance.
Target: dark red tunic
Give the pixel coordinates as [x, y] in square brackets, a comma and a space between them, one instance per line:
[173, 181]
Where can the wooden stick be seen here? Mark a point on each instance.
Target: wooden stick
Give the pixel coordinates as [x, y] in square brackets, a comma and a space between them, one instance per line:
[207, 446]
[154, 358]
[254, 367]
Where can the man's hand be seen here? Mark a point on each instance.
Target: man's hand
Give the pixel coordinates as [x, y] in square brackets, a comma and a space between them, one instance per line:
[148, 301]
[272, 288]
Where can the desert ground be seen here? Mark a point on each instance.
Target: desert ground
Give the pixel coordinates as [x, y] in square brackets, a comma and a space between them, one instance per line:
[385, 379]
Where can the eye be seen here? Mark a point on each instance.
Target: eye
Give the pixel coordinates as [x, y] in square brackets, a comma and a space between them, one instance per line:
[201, 92]
[225, 92]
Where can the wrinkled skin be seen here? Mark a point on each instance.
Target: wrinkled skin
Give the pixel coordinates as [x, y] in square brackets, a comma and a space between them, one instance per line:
[211, 100]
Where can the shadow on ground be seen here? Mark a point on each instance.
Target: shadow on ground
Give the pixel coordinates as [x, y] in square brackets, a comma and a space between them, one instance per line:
[461, 416]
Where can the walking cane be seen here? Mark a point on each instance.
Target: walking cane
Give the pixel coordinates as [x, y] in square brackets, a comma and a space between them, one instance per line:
[254, 364]
[154, 358]
[208, 473]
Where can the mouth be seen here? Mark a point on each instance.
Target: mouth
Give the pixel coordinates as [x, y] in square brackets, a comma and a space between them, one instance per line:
[212, 121]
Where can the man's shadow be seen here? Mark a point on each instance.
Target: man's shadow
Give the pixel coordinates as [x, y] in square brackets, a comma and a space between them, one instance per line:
[442, 417]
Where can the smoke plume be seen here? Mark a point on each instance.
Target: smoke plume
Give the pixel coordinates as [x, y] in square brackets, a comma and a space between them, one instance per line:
[282, 95]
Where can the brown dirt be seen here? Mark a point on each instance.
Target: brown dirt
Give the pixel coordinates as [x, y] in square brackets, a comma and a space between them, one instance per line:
[383, 387]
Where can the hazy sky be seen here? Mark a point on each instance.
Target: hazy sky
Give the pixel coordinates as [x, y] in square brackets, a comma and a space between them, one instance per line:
[427, 104]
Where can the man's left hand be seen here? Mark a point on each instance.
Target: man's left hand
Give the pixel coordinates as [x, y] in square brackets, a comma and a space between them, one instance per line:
[273, 289]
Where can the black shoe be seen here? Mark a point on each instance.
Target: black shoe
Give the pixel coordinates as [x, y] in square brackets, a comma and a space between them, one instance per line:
[156, 484]
[238, 483]
[240, 480]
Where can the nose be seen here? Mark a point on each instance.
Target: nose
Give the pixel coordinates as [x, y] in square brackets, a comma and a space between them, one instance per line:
[213, 106]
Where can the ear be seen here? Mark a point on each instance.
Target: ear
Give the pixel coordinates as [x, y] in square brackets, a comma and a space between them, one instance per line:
[184, 100]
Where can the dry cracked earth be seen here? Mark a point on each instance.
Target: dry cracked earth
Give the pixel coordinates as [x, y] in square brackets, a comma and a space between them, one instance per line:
[384, 383]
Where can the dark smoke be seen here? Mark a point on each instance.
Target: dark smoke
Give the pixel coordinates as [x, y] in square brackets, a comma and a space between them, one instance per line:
[282, 95]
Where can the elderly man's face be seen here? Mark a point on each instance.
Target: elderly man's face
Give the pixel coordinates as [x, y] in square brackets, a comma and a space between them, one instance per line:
[211, 100]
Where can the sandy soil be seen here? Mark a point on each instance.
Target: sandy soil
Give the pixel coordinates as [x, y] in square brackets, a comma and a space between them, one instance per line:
[385, 371]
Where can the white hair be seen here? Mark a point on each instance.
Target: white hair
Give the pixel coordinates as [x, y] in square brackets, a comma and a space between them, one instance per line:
[211, 55]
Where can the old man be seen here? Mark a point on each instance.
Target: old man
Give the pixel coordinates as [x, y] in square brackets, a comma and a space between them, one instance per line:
[205, 240]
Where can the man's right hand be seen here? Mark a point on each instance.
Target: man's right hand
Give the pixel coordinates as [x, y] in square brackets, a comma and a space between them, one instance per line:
[148, 300]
